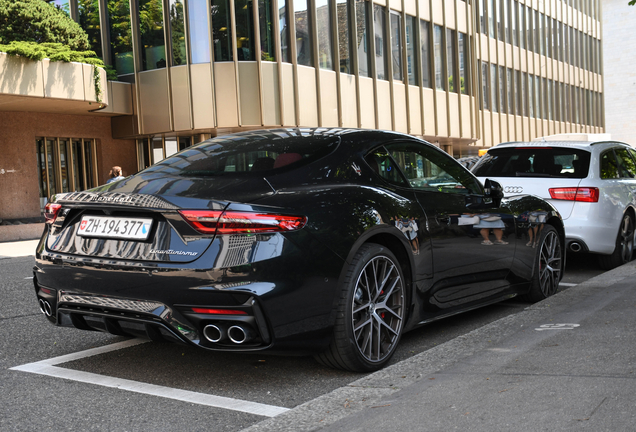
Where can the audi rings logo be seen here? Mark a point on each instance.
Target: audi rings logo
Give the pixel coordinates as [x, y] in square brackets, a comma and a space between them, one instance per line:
[513, 189]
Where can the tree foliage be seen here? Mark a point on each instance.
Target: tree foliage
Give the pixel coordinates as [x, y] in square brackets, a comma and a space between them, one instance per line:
[38, 21]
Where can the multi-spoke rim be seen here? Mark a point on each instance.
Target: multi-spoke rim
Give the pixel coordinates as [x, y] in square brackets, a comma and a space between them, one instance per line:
[627, 239]
[550, 264]
[378, 308]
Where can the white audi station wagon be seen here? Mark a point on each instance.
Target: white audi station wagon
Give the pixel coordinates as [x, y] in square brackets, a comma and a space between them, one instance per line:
[591, 183]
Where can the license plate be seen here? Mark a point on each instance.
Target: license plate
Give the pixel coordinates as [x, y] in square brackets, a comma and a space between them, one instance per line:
[115, 227]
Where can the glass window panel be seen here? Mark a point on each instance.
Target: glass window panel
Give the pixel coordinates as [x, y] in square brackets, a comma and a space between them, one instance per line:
[529, 29]
[483, 15]
[491, 18]
[502, 90]
[509, 85]
[485, 89]
[51, 160]
[88, 19]
[493, 88]
[184, 142]
[439, 58]
[425, 56]
[304, 54]
[514, 22]
[500, 15]
[78, 165]
[549, 95]
[344, 40]
[266, 29]
[379, 28]
[537, 98]
[177, 32]
[463, 61]
[544, 94]
[120, 36]
[91, 176]
[364, 60]
[157, 150]
[323, 22]
[64, 155]
[199, 34]
[522, 25]
[42, 179]
[244, 18]
[172, 146]
[518, 93]
[283, 25]
[450, 56]
[396, 46]
[411, 51]
[530, 96]
[221, 30]
[153, 44]
[524, 93]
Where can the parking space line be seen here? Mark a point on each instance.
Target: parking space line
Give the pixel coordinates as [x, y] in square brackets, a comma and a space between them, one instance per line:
[567, 284]
[48, 368]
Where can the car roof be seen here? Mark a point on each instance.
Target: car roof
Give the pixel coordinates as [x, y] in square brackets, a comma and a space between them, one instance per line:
[586, 145]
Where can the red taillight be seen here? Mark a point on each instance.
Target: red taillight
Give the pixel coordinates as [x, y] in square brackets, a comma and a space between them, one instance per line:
[233, 222]
[583, 194]
[50, 212]
[219, 311]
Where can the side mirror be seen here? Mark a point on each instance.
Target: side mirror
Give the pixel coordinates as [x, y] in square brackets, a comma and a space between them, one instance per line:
[494, 191]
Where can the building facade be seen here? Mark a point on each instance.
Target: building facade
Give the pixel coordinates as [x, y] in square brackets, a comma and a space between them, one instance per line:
[461, 74]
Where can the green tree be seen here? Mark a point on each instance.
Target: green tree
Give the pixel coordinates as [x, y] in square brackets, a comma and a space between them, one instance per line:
[38, 21]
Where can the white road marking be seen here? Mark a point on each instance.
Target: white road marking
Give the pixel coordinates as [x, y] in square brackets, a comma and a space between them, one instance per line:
[567, 284]
[30, 277]
[47, 367]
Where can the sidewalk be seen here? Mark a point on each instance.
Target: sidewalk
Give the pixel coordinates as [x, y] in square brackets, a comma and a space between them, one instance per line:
[18, 248]
[566, 363]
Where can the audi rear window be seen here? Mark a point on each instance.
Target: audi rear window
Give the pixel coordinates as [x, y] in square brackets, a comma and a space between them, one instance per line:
[251, 153]
[534, 162]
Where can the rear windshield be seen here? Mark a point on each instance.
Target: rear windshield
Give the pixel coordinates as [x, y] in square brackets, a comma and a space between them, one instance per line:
[534, 162]
[248, 154]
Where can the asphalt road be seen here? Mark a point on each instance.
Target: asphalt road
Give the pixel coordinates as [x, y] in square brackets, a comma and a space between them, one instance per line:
[110, 391]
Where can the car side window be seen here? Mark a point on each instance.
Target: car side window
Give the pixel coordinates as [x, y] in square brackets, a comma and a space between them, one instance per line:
[609, 167]
[625, 163]
[381, 162]
[432, 170]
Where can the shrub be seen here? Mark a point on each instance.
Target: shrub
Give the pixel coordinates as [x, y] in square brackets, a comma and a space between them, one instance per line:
[38, 21]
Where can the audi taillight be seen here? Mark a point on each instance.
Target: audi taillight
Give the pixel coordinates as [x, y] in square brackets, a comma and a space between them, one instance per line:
[212, 311]
[582, 194]
[51, 211]
[235, 222]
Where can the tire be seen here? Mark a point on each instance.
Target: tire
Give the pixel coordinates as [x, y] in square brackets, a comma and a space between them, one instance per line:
[624, 249]
[548, 265]
[371, 312]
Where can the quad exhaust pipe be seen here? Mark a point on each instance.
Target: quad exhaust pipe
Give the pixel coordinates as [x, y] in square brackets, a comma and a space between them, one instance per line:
[45, 307]
[236, 333]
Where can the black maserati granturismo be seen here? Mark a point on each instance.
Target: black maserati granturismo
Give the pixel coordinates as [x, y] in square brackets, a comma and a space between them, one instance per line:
[332, 242]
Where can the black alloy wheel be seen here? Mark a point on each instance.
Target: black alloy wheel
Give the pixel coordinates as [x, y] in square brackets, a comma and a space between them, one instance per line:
[548, 265]
[371, 312]
[624, 249]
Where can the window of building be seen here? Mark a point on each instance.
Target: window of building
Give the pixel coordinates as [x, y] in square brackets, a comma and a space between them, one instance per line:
[425, 43]
[344, 40]
[493, 88]
[518, 93]
[283, 25]
[485, 89]
[221, 30]
[531, 104]
[463, 62]
[451, 65]
[509, 86]
[483, 16]
[514, 22]
[503, 105]
[153, 44]
[501, 18]
[537, 97]
[362, 21]
[302, 22]
[120, 37]
[548, 96]
[411, 49]
[529, 31]
[177, 32]
[88, 19]
[491, 18]
[439, 58]
[266, 30]
[379, 28]
[153, 150]
[323, 23]
[522, 25]
[396, 46]
[199, 34]
[65, 165]
[244, 18]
